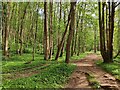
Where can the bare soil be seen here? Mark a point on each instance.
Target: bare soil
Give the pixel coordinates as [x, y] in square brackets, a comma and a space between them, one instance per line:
[87, 65]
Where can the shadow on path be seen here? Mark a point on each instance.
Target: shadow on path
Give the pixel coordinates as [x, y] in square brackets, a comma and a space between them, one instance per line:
[87, 65]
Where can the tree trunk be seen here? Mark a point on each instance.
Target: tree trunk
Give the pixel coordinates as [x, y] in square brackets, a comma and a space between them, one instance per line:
[62, 50]
[46, 38]
[21, 29]
[106, 50]
[5, 31]
[71, 30]
[72, 47]
[60, 14]
[95, 39]
[112, 31]
[51, 31]
[63, 38]
[17, 29]
[35, 35]
[78, 36]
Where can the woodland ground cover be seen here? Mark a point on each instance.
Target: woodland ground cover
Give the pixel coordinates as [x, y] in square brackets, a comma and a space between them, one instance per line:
[113, 68]
[49, 72]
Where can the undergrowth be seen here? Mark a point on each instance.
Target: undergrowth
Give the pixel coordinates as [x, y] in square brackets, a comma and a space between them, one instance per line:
[113, 68]
[93, 81]
[51, 73]
[53, 77]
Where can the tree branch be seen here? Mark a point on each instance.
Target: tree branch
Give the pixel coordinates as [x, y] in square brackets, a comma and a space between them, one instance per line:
[117, 54]
[117, 4]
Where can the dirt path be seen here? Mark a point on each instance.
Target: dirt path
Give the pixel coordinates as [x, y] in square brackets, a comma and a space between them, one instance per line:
[87, 65]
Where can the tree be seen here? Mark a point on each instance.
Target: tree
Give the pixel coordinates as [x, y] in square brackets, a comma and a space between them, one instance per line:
[71, 30]
[46, 38]
[51, 31]
[62, 50]
[118, 32]
[106, 49]
[35, 34]
[21, 28]
[95, 39]
[5, 28]
[64, 35]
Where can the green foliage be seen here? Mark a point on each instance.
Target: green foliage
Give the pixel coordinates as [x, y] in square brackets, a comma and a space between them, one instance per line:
[18, 63]
[117, 59]
[50, 73]
[92, 80]
[75, 57]
[113, 68]
[53, 77]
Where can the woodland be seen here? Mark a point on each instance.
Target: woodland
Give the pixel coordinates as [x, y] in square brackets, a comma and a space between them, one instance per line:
[60, 44]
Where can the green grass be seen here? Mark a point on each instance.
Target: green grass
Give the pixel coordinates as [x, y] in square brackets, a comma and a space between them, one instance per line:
[92, 80]
[75, 57]
[53, 77]
[117, 59]
[51, 73]
[113, 68]
[17, 63]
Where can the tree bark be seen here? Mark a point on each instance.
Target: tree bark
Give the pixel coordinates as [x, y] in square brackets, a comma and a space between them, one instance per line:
[5, 16]
[95, 39]
[21, 29]
[64, 35]
[46, 38]
[62, 50]
[106, 50]
[51, 31]
[35, 35]
[60, 14]
[71, 30]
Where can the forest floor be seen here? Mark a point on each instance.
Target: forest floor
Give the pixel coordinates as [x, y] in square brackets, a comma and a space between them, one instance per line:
[86, 67]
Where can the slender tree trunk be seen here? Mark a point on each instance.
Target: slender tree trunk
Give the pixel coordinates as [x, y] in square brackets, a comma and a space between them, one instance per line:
[112, 31]
[72, 47]
[107, 29]
[78, 53]
[62, 50]
[10, 16]
[46, 38]
[71, 30]
[60, 14]
[81, 36]
[103, 26]
[5, 17]
[18, 29]
[21, 29]
[35, 35]
[63, 38]
[100, 27]
[78, 35]
[3, 26]
[82, 44]
[51, 31]
[95, 39]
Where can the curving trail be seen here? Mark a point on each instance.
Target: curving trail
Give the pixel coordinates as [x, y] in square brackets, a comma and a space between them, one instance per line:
[87, 65]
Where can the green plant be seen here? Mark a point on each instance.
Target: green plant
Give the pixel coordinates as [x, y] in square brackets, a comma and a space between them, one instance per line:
[53, 77]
